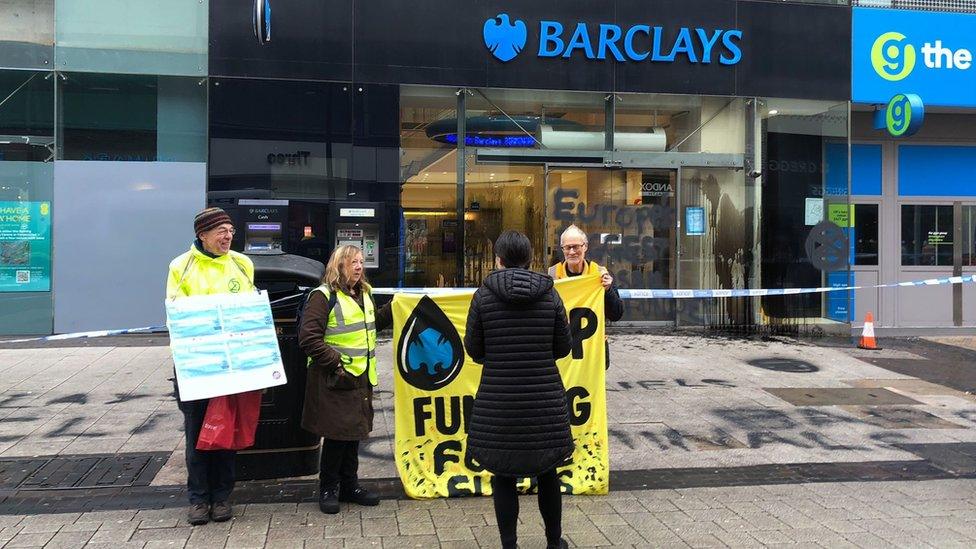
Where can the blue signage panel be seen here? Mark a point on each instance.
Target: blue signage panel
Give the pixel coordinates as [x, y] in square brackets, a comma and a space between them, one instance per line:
[913, 52]
[694, 221]
[506, 36]
[840, 303]
[25, 246]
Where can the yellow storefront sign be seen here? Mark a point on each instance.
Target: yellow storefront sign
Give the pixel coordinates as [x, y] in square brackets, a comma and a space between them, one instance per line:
[435, 383]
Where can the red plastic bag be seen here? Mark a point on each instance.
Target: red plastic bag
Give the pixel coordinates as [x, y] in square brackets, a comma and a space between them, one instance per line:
[246, 420]
[230, 422]
[217, 431]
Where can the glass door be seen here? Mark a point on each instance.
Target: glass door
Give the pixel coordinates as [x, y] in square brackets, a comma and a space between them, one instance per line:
[629, 218]
[499, 197]
[716, 244]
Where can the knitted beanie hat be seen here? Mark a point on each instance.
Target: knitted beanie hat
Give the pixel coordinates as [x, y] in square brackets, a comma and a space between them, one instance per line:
[210, 218]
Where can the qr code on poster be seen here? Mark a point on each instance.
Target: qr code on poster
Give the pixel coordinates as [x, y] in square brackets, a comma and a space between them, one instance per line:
[23, 277]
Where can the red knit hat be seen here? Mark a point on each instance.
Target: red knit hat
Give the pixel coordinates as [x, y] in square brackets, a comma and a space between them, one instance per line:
[210, 218]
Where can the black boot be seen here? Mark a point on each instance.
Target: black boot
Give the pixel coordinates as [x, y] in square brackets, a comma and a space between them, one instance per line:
[561, 544]
[328, 501]
[359, 495]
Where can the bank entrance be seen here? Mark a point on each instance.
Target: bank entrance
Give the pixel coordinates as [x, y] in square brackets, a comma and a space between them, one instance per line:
[655, 223]
[674, 192]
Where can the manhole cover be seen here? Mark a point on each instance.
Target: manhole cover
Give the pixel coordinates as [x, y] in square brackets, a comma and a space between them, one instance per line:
[92, 471]
[840, 396]
[784, 365]
[955, 457]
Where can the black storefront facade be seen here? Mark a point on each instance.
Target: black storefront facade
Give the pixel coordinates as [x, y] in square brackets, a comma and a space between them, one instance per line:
[686, 138]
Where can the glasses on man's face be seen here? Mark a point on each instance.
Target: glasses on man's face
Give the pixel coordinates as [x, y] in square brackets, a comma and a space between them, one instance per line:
[573, 247]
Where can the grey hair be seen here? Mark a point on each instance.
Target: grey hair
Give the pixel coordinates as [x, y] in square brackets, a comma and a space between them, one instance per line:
[573, 230]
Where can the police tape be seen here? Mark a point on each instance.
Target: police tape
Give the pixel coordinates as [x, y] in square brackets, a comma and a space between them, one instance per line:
[84, 335]
[706, 294]
[624, 294]
[691, 294]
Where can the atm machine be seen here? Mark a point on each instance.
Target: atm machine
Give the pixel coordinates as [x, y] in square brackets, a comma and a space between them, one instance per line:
[307, 228]
[260, 224]
[359, 224]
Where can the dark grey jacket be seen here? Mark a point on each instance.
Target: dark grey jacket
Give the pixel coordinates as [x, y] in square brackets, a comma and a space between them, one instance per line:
[517, 328]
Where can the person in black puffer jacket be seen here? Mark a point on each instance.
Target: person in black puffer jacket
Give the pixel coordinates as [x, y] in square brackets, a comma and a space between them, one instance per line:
[517, 328]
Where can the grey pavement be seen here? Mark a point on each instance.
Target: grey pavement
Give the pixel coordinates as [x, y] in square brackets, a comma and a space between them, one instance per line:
[675, 402]
[939, 514]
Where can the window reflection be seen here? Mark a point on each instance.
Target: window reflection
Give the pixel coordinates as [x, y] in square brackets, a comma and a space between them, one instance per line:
[926, 235]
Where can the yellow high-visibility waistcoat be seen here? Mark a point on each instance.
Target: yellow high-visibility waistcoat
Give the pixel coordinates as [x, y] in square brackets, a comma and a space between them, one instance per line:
[196, 273]
[351, 331]
[558, 270]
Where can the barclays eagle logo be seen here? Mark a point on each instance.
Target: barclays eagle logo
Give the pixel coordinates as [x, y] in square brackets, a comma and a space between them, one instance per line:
[504, 39]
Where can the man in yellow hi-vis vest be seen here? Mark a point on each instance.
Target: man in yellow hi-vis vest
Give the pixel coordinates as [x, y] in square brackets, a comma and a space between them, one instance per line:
[573, 243]
[209, 267]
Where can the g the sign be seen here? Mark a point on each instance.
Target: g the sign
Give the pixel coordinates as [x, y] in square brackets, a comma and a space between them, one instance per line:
[890, 61]
[904, 115]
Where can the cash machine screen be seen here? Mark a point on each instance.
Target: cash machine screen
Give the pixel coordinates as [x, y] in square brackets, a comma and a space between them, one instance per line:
[262, 237]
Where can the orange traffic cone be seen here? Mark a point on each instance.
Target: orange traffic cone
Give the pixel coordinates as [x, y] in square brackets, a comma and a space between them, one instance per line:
[867, 334]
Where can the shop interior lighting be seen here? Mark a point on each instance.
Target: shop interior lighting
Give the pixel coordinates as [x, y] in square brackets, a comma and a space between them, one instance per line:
[428, 213]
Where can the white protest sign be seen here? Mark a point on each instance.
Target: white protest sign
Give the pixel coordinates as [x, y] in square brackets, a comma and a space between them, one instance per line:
[223, 344]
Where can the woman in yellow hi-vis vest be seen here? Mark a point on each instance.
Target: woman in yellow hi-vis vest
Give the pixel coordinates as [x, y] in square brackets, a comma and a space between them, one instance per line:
[573, 243]
[338, 333]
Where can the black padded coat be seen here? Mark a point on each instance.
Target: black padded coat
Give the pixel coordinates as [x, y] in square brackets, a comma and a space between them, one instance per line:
[517, 328]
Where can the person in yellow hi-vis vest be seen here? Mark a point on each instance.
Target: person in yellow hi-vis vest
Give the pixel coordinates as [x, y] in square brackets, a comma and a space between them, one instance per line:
[209, 267]
[338, 333]
[573, 243]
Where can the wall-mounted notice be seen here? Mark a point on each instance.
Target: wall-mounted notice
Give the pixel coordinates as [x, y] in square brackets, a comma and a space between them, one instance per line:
[841, 215]
[814, 211]
[25, 246]
[694, 221]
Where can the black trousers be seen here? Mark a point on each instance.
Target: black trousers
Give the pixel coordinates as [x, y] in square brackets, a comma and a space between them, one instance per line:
[339, 465]
[505, 497]
[209, 473]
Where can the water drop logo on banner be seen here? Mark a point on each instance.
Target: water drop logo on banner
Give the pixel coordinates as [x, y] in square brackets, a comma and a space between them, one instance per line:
[430, 353]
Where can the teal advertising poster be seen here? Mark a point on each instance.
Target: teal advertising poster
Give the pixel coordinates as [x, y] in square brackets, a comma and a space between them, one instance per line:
[25, 246]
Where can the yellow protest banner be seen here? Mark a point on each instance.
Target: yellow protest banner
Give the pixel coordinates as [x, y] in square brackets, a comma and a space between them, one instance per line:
[435, 384]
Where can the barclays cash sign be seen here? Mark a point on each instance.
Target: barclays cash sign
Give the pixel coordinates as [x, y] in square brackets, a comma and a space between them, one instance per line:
[506, 38]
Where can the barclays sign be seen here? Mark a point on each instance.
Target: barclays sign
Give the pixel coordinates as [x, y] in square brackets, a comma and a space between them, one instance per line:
[505, 39]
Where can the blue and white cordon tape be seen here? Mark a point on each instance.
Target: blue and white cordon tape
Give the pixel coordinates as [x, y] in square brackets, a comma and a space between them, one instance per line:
[687, 294]
[624, 294]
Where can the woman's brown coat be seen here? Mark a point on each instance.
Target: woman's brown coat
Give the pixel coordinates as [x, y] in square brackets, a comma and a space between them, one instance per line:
[338, 405]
